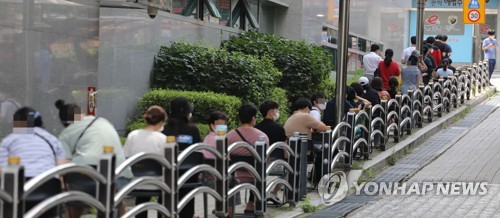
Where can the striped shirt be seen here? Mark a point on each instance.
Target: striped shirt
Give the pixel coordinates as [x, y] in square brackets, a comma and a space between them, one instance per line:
[35, 153]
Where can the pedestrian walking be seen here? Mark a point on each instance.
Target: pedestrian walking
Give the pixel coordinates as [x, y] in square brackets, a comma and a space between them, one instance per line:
[490, 51]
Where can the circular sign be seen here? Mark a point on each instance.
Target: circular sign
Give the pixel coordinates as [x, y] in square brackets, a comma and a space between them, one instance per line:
[474, 15]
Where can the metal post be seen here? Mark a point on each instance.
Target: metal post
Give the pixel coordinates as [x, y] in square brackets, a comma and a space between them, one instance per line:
[302, 167]
[170, 201]
[384, 138]
[13, 185]
[420, 23]
[351, 119]
[260, 206]
[107, 191]
[342, 56]
[326, 155]
[292, 160]
[221, 165]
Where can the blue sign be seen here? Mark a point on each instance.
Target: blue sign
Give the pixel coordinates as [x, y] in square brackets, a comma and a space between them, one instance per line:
[460, 44]
[492, 4]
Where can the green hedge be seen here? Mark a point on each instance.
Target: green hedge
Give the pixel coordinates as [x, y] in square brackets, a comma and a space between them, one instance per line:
[183, 66]
[204, 104]
[305, 67]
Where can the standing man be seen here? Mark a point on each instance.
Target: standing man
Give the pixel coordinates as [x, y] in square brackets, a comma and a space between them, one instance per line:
[371, 61]
[407, 52]
[490, 51]
[447, 48]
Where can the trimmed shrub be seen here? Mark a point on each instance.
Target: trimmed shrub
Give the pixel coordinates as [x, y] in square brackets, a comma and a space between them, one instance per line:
[204, 103]
[306, 67]
[184, 66]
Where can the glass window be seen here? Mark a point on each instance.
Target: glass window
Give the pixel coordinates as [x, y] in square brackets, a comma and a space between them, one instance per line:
[333, 36]
[362, 44]
[354, 42]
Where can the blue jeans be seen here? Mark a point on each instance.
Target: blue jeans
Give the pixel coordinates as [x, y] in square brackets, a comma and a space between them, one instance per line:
[491, 66]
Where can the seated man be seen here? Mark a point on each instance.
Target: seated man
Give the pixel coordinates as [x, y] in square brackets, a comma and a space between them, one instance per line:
[301, 121]
[246, 132]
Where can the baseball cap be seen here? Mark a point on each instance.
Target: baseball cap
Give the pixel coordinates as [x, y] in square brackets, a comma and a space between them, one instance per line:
[363, 81]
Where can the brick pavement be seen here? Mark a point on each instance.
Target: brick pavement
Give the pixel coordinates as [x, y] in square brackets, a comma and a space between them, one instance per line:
[474, 157]
[459, 140]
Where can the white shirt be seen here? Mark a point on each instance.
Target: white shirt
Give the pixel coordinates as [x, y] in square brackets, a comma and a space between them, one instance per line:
[407, 53]
[37, 156]
[371, 61]
[144, 141]
[315, 113]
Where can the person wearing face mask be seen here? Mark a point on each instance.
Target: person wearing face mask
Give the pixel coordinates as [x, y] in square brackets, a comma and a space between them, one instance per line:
[319, 105]
[186, 133]
[276, 133]
[490, 51]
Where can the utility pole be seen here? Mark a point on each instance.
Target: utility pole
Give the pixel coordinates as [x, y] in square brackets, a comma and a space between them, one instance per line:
[420, 26]
[341, 79]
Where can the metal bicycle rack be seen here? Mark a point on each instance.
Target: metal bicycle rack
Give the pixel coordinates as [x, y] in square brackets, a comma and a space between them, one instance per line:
[398, 115]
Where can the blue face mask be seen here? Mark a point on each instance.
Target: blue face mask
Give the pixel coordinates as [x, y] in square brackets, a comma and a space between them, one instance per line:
[221, 128]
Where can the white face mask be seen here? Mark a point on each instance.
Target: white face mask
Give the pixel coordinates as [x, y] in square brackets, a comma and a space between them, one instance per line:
[190, 115]
[276, 116]
[491, 37]
[161, 129]
[322, 106]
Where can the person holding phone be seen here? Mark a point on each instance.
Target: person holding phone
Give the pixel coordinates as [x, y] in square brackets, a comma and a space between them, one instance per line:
[490, 51]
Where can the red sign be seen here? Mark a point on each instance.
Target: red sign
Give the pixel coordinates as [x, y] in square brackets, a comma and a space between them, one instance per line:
[91, 101]
[484, 28]
[433, 19]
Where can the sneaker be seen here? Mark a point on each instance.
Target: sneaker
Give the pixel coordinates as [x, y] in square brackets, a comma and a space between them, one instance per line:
[273, 198]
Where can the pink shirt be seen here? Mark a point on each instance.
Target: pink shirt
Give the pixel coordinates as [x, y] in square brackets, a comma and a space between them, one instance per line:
[250, 134]
[210, 140]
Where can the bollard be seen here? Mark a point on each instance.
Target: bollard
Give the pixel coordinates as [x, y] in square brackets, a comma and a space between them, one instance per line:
[383, 140]
[13, 184]
[171, 175]
[260, 166]
[292, 160]
[351, 120]
[303, 166]
[106, 167]
[326, 155]
[221, 164]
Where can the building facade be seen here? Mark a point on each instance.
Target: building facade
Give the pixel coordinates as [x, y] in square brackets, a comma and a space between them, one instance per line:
[57, 49]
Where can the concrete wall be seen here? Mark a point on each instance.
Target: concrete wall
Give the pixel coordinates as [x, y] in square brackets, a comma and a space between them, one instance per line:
[129, 41]
[48, 50]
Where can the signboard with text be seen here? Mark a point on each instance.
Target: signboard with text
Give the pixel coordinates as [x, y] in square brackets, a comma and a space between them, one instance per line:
[474, 11]
[492, 4]
[443, 22]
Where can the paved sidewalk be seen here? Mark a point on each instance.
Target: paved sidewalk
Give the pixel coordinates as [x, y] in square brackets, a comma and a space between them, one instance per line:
[473, 158]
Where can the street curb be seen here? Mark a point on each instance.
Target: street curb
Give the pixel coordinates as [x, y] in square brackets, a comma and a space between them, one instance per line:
[373, 167]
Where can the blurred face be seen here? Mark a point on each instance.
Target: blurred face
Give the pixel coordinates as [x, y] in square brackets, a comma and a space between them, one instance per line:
[217, 122]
